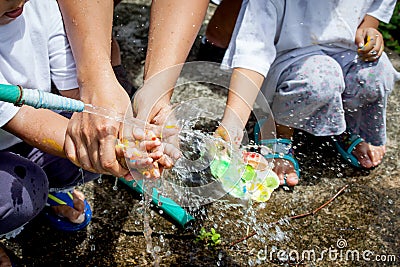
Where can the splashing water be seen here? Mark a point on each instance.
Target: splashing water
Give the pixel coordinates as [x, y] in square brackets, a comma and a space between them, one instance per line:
[148, 186]
[203, 175]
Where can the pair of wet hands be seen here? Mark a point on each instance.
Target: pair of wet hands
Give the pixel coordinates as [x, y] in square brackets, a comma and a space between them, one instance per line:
[146, 154]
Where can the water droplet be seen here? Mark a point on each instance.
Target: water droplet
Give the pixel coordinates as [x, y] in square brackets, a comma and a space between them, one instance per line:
[115, 187]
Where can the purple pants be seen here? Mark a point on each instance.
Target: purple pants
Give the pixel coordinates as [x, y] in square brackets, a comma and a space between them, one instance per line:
[325, 93]
[26, 176]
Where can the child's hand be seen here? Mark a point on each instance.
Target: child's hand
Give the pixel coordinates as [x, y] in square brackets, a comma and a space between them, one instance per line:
[145, 155]
[255, 160]
[370, 44]
[140, 155]
[230, 134]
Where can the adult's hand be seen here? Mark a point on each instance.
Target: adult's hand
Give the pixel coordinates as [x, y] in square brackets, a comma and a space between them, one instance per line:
[90, 139]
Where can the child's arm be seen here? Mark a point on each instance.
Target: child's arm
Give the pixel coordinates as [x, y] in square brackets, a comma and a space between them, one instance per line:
[40, 128]
[369, 40]
[45, 130]
[244, 87]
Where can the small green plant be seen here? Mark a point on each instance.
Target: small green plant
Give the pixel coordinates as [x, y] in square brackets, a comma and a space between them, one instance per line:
[210, 239]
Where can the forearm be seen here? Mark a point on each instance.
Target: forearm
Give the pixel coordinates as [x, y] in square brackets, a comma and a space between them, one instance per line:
[369, 22]
[174, 25]
[244, 87]
[40, 128]
[88, 25]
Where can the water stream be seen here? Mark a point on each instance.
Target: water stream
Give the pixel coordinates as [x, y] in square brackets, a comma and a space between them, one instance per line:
[194, 181]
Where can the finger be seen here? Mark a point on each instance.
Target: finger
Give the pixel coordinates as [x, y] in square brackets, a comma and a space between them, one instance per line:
[164, 131]
[83, 157]
[140, 164]
[76, 144]
[70, 150]
[369, 45]
[108, 157]
[138, 133]
[166, 162]
[377, 49]
[381, 49]
[360, 37]
[149, 145]
[93, 154]
[120, 149]
[172, 151]
[155, 172]
[155, 155]
[129, 177]
[223, 133]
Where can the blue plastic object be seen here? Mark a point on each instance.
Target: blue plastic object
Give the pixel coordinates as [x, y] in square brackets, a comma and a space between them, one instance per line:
[61, 223]
[179, 215]
[38, 99]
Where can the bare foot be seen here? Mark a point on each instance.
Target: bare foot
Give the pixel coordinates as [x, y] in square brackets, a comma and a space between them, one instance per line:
[282, 168]
[76, 214]
[368, 155]
[4, 259]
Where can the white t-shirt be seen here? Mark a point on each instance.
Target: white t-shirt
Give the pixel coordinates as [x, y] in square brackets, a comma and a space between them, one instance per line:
[269, 30]
[34, 51]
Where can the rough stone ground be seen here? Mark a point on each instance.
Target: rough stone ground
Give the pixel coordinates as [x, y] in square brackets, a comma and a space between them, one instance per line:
[365, 218]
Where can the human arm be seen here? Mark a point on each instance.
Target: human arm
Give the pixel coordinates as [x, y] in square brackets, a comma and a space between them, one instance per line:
[40, 128]
[90, 139]
[174, 25]
[243, 90]
[250, 62]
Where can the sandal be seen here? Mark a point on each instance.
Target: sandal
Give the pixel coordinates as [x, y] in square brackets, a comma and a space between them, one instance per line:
[279, 148]
[345, 144]
[61, 223]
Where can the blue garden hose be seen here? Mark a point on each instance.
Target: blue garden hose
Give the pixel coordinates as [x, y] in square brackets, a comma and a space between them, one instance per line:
[171, 208]
[39, 99]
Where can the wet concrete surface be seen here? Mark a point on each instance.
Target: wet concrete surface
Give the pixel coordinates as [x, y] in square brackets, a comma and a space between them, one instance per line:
[358, 228]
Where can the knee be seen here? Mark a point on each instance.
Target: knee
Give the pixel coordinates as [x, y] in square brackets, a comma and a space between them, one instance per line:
[372, 83]
[323, 78]
[325, 89]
